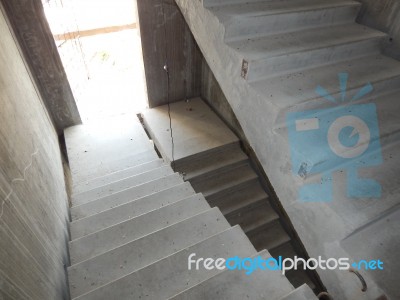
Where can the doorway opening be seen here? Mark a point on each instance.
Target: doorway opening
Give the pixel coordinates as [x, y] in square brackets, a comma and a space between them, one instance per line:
[100, 47]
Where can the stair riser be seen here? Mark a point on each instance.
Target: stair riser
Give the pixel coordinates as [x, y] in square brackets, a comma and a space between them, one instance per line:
[209, 175]
[106, 203]
[116, 236]
[253, 26]
[130, 210]
[269, 236]
[264, 68]
[180, 165]
[124, 184]
[116, 176]
[131, 257]
[247, 218]
[212, 197]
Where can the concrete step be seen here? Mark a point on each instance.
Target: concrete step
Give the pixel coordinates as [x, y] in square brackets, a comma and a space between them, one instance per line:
[253, 217]
[216, 185]
[120, 185]
[117, 163]
[116, 176]
[129, 258]
[277, 54]
[169, 276]
[130, 210]
[248, 20]
[204, 165]
[302, 293]
[286, 251]
[296, 90]
[296, 277]
[299, 277]
[125, 196]
[115, 236]
[228, 285]
[269, 237]
[240, 197]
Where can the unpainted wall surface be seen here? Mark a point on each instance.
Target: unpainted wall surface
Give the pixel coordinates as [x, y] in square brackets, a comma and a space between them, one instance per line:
[33, 200]
[167, 40]
[383, 15]
[37, 44]
[212, 93]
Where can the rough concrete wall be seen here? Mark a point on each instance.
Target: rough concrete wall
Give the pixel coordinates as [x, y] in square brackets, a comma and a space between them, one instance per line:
[37, 44]
[383, 15]
[166, 38]
[34, 210]
[212, 93]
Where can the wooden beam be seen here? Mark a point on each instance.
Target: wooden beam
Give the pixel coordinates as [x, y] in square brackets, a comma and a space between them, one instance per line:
[90, 32]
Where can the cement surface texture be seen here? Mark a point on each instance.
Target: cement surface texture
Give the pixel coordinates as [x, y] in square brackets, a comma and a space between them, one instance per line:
[261, 104]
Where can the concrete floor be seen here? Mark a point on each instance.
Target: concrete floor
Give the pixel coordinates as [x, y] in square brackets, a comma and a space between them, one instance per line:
[196, 129]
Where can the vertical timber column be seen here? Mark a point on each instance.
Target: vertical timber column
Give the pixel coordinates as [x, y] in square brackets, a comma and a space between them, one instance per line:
[166, 39]
[35, 39]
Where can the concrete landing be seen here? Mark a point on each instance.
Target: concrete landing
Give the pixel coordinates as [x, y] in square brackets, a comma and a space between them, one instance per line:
[196, 129]
[97, 149]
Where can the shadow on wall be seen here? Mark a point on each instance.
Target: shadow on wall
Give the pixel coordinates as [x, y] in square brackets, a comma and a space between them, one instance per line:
[383, 15]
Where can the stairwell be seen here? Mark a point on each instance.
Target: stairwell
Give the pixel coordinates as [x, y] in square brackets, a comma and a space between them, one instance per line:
[135, 222]
[269, 57]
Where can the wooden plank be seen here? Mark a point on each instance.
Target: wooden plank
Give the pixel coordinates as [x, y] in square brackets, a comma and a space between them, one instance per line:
[90, 32]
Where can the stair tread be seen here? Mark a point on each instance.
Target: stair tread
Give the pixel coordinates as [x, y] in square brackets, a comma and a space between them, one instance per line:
[115, 187]
[112, 237]
[122, 197]
[276, 7]
[128, 258]
[217, 161]
[302, 293]
[169, 276]
[302, 40]
[130, 210]
[215, 184]
[116, 176]
[237, 285]
[292, 88]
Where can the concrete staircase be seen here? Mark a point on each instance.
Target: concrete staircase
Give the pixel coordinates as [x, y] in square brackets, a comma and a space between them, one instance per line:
[269, 56]
[223, 173]
[135, 222]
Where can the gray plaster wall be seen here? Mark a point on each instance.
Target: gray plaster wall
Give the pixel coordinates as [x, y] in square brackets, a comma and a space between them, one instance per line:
[383, 15]
[166, 39]
[33, 199]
